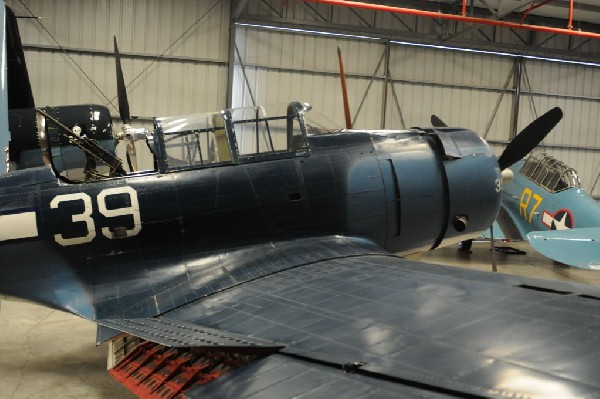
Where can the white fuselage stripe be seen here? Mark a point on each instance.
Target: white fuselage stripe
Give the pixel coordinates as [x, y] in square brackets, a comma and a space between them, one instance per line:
[18, 225]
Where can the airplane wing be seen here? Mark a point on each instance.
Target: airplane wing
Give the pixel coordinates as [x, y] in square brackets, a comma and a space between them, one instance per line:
[573, 247]
[368, 324]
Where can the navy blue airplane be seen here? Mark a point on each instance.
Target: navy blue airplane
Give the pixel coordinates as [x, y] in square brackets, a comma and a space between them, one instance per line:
[258, 257]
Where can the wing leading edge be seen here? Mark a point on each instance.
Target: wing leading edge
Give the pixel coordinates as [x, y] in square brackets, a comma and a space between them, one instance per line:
[578, 247]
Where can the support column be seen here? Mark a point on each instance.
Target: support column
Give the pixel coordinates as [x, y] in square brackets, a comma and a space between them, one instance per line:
[518, 68]
[236, 8]
[386, 81]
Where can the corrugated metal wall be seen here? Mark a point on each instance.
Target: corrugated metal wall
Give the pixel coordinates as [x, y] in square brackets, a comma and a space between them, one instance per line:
[191, 78]
[462, 88]
[283, 66]
[576, 89]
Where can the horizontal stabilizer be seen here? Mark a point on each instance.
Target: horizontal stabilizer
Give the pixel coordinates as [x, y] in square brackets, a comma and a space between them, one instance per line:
[573, 247]
[178, 334]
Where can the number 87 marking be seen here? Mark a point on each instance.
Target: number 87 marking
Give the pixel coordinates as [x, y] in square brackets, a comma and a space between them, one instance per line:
[86, 215]
[524, 204]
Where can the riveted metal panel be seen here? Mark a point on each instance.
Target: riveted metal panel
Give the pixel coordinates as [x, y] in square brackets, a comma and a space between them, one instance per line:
[413, 321]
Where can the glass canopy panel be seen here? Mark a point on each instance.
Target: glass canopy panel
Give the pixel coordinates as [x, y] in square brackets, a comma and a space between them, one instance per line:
[268, 129]
[549, 172]
[195, 140]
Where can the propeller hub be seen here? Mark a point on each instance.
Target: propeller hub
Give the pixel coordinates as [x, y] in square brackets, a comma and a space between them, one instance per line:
[507, 177]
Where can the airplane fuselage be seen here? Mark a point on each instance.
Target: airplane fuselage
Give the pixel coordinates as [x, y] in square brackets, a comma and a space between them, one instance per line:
[535, 208]
[397, 190]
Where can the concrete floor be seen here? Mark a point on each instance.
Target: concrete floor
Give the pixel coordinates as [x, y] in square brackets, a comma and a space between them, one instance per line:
[50, 354]
[45, 353]
[532, 264]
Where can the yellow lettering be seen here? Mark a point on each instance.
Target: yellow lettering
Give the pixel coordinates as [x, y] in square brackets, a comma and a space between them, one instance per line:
[538, 201]
[525, 200]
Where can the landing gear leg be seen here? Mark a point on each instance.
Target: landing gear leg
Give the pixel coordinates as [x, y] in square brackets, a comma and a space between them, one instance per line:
[465, 246]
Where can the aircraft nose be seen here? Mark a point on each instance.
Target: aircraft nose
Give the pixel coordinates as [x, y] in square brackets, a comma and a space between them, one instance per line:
[447, 186]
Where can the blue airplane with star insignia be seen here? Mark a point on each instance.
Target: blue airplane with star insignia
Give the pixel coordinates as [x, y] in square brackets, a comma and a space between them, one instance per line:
[546, 203]
[541, 200]
[258, 254]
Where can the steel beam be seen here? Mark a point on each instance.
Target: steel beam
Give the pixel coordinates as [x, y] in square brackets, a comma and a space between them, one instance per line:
[498, 102]
[453, 17]
[237, 52]
[518, 67]
[110, 54]
[386, 81]
[371, 80]
[389, 34]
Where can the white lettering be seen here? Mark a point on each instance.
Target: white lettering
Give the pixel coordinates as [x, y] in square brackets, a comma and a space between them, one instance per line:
[86, 216]
[133, 210]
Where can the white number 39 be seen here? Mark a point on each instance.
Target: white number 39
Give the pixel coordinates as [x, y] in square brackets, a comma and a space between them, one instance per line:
[86, 215]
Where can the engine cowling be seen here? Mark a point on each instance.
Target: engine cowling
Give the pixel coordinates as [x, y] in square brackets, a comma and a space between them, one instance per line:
[442, 186]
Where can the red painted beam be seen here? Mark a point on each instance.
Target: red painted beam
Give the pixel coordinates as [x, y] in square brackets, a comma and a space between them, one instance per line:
[453, 17]
[533, 7]
[571, 14]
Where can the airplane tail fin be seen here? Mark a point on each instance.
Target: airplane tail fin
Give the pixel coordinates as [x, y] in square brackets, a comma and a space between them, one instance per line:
[574, 247]
[20, 94]
[15, 87]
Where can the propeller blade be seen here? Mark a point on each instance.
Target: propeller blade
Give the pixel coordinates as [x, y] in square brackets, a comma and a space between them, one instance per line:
[344, 91]
[529, 137]
[437, 122]
[121, 91]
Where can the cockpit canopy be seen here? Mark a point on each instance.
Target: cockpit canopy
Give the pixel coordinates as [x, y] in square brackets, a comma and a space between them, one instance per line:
[238, 135]
[549, 172]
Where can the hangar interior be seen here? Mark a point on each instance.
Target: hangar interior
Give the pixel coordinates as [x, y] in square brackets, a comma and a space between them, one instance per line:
[188, 57]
